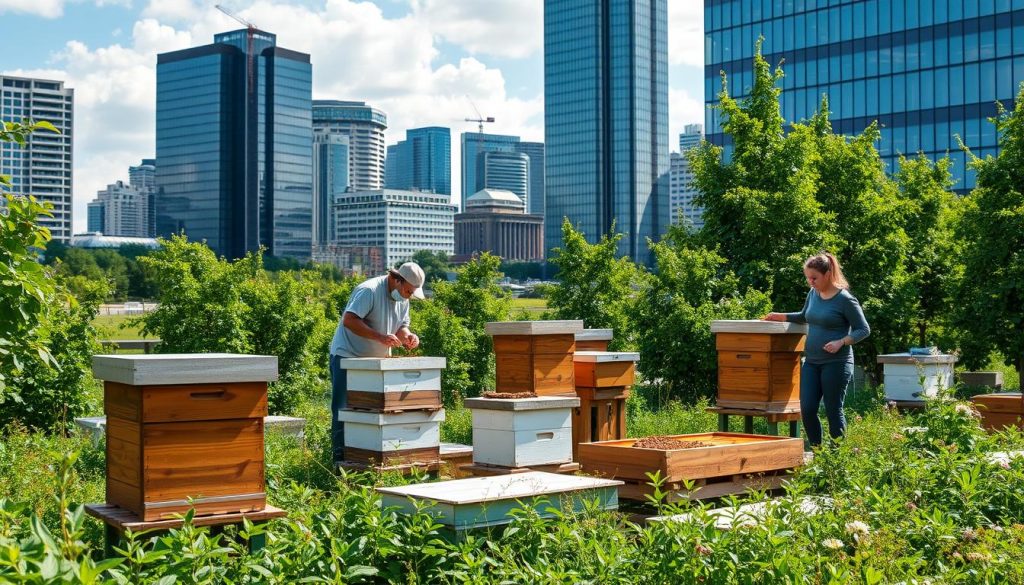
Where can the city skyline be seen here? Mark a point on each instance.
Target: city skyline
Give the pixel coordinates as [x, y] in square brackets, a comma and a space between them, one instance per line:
[417, 62]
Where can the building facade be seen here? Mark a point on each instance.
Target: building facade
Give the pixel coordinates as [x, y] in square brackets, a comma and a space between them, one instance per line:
[121, 210]
[505, 171]
[234, 139]
[352, 260]
[421, 162]
[496, 221]
[143, 176]
[43, 167]
[364, 125]
[680, 183]
[606, 120]
[535, 196]
[474, 144]
[400, 222]
[330, 180]
[926, 70]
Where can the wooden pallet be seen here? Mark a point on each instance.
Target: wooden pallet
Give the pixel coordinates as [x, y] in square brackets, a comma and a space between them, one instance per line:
[708, 488]
[485, 470]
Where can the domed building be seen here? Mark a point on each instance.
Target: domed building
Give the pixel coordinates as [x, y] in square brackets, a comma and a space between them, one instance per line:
[496, 221]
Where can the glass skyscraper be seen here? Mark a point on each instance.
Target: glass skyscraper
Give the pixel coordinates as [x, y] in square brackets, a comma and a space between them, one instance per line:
[535, 199]
[423, 161]
[473, 145]
[234, 145]
[606, 120]
[927, 70]
[508, 171]
[330, 181]
[364, 125]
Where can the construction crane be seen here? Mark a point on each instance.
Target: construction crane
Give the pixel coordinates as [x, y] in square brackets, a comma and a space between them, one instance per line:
[250, 29]
[480, 119]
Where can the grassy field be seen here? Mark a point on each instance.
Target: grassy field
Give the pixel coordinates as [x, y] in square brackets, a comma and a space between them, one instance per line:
[532, 307]
[116, 327]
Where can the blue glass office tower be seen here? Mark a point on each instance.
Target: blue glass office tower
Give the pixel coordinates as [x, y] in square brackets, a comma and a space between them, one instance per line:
[535, 197]
[331, 154]
[423, 161]
[473, 145]
[606, 120]
[508, 171]
[927, 70]
[234, 145]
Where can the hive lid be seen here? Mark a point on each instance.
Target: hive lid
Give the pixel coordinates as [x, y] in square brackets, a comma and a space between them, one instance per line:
[393, 363]
[595, 335]
[523, 404]
[605, 356]
[408, 417]
[533, 327]
[906, 358]
[757, 326]
[514, 486]
[184, 368]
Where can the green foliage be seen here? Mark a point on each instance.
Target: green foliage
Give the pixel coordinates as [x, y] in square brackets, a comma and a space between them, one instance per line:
[989, 292]
[595, 285]
[522, 270]
[434, 264]
[126, 276]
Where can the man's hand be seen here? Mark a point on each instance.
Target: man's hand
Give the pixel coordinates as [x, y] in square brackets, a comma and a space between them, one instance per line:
[412, 341]
[774, 317]
[390, 341]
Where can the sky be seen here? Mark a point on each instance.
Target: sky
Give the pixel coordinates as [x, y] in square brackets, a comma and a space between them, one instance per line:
[420, 61]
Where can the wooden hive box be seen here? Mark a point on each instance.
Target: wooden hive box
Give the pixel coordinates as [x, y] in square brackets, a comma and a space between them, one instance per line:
[910, 378]
[394, 384]
[759, 363]
[1000, 410]
[399, 438]
[184, 431]
[520, 432]
[728, 454]
[603, 379]
[605, 369]
[593, 339]
[534, 356]
[482, 502]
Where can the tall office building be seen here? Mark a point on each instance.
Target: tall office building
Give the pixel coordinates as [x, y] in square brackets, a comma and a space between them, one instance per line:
[143, 176]
[606, 120]
[330, 180]
[473, 145]
[422, 162]
[505, 171]
[535, 197]
[927, 70]
[121, 210]
[690, 137]
[234, 139]
[43, 166]
[364, 125]
[680, 183]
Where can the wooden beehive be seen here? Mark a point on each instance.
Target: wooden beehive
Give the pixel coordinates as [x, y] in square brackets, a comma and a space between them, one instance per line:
[185, 431]
[603, 379]
[910, 378]
[521, 432]
[1000, 410]
[393, 384]
[593, 339]
[399, 438]
[759, 363]
[534, 356]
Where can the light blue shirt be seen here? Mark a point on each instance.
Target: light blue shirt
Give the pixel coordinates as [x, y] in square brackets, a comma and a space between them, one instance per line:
[371, 302]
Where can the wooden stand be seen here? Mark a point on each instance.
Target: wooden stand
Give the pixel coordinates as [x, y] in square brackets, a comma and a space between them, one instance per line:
[759, 364]
[117, 520]
[707, 488]
[601, 416]
[774, 418]
[403, 468]
[485, 470]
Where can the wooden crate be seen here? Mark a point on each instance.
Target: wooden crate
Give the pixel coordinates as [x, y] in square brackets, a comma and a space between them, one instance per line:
[593, 340]
[605, 369]
[601, 416]
[534, 356]
[915, 377]
[758, 363]
[393, 384]
[172, 447]
[522, 432]
[729, 454]
[1000, 410]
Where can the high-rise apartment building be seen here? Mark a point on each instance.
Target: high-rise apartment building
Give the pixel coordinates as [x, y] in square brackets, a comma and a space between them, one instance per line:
[43, 167]
[421, 162]
[330, 180]
[535, 197]
[690, 137]
[505, 171]
[121, 210]
[926, 70]
[234, 139]
[143, 176]
[473, 145]
[364, 125]
[606, 120]
[680, 183]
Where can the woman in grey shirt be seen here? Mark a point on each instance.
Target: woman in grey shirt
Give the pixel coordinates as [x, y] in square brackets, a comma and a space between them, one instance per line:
[835, 322]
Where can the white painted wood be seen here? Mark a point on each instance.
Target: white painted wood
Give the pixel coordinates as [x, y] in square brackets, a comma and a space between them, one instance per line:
[605, 356]
[595, 335]
[756, 326]
[904, 381]
[539, 403]
[533, 327]
[392, 431]
[515, 486]
[393, 363]
[184, 368]
[530, 420]
[451, 450]
[522, 448]
[384, 381]
[390, 418]
[906, 358]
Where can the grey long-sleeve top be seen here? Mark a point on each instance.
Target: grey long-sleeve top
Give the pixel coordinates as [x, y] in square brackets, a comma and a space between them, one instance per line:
[828, 320]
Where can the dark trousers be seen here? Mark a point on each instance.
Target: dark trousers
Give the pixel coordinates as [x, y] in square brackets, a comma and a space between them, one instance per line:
[339, 400]
[824, 381]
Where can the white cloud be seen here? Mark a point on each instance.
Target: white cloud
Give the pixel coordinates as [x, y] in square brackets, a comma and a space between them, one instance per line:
[44, 8]
[171, 10]
[683, 109]
[503, 28]
[686, 32]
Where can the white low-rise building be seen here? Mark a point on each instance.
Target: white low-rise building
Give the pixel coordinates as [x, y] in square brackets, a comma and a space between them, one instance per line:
[400, 222]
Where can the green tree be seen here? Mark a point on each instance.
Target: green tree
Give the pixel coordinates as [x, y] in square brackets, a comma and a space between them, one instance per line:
[434, 264]
[990, 290]
[595, 285]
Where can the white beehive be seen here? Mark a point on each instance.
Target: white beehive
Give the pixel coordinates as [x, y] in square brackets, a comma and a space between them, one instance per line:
[393, 384]
[520, 432]
[910, 378]
[389, 433]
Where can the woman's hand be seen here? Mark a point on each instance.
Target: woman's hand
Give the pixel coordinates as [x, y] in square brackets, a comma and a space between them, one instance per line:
[774, 317]
[834, 346]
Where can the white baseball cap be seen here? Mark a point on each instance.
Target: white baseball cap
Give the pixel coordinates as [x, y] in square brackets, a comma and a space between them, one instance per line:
[413, 274]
